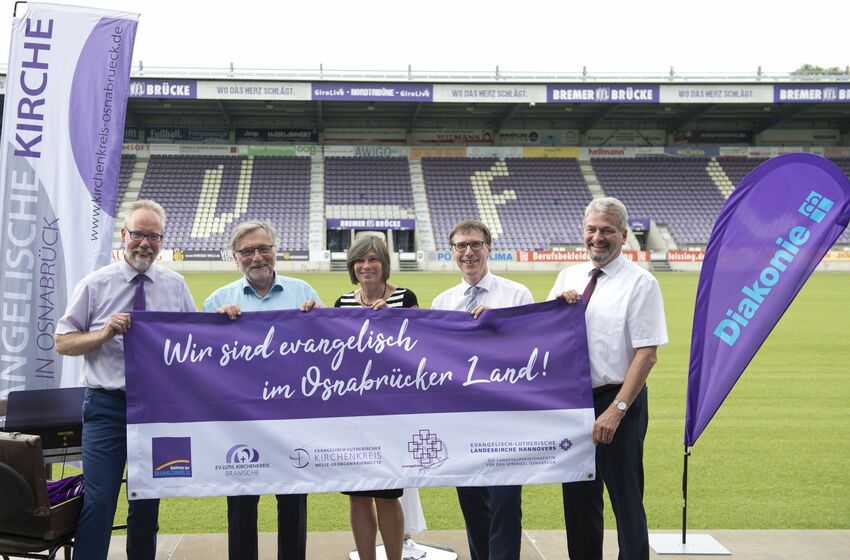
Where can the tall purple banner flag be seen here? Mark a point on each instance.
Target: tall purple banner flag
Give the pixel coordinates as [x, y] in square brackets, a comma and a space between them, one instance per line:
[354, 399]
[60, 154]
[769, 237]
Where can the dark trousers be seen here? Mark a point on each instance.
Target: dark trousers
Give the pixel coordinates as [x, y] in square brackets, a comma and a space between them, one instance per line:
[291, 527]
[104, 456]
[493, 517]
[620, 466]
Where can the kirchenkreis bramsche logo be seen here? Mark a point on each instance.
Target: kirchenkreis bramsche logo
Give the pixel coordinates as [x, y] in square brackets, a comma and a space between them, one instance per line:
[242, 461]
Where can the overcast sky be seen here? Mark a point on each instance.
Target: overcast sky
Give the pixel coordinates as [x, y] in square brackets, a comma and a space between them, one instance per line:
[610, 37]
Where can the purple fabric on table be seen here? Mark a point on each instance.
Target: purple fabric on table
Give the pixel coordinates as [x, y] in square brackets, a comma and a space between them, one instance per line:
[59, 491]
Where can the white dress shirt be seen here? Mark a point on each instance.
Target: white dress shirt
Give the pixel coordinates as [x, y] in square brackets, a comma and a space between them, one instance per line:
[495, 292]
[625, 312]
[111, 290]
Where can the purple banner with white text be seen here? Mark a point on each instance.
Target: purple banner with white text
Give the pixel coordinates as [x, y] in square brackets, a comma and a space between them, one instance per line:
[811, 93]
[348, 91]
[769, 237]
[353, 399]
[164, 89]
[622, 93]
[371, 223]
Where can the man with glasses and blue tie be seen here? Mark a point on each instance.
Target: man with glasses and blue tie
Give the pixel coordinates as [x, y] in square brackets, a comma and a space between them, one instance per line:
[493, 514]
[261, 289]
[93, 326]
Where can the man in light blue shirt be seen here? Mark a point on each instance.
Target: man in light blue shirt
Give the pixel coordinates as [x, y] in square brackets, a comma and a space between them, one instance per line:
[261, 289]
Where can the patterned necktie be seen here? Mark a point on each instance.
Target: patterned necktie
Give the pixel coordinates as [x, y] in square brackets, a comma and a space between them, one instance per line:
[472, 292]
[588, 291]
[139, 297]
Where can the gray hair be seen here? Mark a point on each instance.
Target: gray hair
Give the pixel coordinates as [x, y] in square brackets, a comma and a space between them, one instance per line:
[609, 205]
[151, 205]
[472, 225]
[245, 228]
[363, 245]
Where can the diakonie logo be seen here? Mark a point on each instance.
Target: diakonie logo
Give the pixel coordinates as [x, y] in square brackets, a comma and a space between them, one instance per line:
[171, 457]
[815, 207]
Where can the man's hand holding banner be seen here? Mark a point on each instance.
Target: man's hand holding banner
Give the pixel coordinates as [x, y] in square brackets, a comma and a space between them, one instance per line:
[353, 399]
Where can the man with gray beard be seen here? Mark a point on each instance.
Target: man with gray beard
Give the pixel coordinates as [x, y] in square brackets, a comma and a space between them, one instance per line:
[624, 313]
[254, 246]
[93, 326]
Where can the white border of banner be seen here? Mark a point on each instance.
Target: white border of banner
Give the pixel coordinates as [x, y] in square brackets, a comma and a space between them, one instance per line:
[369, 452]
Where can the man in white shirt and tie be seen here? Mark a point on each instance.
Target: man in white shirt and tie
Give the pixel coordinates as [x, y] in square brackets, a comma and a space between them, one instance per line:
[625, 321]
[493, 514]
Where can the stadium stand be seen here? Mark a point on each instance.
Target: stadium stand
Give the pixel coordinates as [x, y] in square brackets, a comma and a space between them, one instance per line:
[368, 188]
[529, 203]
[676, 192]
[844, 164]
[205, 196]
[738, 168]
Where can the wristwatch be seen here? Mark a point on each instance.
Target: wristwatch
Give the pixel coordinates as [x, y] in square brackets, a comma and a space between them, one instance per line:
[621, 405]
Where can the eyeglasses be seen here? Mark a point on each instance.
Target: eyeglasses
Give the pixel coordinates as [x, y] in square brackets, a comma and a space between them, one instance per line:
[248, 252]
[139, 235]
[474, 245]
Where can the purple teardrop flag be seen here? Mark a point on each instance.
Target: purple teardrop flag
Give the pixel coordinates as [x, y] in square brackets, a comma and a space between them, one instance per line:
[769, 237]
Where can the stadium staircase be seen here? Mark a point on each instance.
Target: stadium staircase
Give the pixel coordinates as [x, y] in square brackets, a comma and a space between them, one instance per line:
[317, 231]
[420, 208]
[660, 265]
[130, 178]
[720, 178]
[591, 179]
[665, 235]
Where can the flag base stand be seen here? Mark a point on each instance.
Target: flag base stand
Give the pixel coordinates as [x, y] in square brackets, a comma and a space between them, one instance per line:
[671, 543]
[413, 551]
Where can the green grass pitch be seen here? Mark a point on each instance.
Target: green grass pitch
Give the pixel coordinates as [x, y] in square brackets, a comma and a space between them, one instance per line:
[774, 457]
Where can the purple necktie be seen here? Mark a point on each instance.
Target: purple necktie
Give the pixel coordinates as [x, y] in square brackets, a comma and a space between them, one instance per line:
[588, 291]
[139, 297]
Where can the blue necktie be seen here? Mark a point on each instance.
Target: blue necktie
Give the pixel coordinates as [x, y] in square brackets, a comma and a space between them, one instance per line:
[139, 303]
[472, 292]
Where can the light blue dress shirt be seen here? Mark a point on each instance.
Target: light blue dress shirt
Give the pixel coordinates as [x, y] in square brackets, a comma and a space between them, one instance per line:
[286, 293]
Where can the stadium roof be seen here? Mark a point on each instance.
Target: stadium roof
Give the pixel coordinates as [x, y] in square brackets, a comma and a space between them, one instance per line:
[318, 100]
